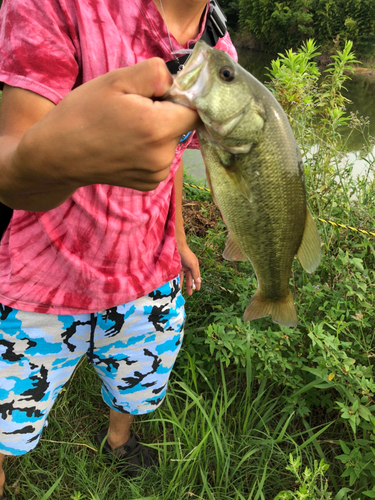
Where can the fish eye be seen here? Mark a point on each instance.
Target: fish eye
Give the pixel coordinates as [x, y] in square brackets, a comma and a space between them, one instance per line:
[226, 73]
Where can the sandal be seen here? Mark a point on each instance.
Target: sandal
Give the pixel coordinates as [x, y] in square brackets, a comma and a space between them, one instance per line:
[133, 456]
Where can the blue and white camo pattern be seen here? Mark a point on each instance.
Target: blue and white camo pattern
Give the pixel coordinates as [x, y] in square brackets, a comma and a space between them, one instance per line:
[134, 349]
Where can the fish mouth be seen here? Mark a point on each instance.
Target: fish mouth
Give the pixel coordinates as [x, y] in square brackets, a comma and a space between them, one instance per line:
[194, 80]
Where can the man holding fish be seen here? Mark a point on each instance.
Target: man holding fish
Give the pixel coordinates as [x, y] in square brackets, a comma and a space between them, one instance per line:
[90, 161]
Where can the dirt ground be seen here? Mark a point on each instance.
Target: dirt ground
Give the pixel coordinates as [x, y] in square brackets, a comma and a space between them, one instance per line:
[199, 217]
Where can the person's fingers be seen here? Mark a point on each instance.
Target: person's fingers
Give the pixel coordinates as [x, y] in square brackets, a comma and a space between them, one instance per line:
[149, 78]
[193, 279]
[177, 120]
[152, 79]
[195, 272]
[188, 282]
[198, 282]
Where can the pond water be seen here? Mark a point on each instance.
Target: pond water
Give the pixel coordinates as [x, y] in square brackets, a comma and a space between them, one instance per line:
[360, 90]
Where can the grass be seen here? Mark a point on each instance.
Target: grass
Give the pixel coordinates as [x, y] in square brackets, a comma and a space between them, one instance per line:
[231, 440]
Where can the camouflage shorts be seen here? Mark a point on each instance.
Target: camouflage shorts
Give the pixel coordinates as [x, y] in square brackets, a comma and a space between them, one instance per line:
[132, 347]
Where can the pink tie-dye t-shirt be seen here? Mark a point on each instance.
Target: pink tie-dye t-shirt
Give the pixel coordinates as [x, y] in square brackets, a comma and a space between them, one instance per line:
[106, 245]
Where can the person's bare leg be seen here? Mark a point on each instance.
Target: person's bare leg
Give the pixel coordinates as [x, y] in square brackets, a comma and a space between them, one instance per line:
[2, 475]
[119, 428]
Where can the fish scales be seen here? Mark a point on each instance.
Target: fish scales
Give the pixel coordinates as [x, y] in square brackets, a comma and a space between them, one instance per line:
[256, 175]
[269, 230]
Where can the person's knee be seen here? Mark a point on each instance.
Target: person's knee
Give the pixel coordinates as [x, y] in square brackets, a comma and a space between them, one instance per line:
[18, 438]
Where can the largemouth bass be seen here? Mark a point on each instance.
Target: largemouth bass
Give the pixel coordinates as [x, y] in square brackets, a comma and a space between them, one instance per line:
[255, 172]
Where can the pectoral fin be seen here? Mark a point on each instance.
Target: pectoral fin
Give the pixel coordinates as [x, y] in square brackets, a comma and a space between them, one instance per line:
[309, 251]
[232, 251]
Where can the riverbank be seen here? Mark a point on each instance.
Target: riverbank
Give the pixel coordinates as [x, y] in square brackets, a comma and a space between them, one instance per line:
[248, 42]
[367, 70]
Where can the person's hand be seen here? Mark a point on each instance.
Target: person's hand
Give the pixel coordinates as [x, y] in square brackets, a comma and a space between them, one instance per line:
[108, 130]
[190, 269]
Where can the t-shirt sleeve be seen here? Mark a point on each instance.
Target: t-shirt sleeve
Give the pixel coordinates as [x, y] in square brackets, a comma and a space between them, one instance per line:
[37, 49]
[226, 45]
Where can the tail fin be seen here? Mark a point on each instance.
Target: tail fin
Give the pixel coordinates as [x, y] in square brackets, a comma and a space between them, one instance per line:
[282, 311]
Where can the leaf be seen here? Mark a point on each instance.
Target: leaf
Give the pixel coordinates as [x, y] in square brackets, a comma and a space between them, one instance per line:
[344, 447]
[358, 263]
[341, 495]
[52, 489]
[353, 478]
[347, 472]
[355, 405]
[352, 422]
[284, 495]
[365, 413]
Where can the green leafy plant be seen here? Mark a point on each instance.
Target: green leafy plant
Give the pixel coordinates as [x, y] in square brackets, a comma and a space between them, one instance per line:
[313, 485]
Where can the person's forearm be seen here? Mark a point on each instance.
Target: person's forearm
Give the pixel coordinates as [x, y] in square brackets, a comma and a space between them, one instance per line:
[27, 179]
[179, 221]
[189, 261]
[24, 187]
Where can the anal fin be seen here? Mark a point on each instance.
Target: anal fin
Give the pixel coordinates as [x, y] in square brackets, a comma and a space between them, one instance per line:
[232, 251]
[309, 251]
